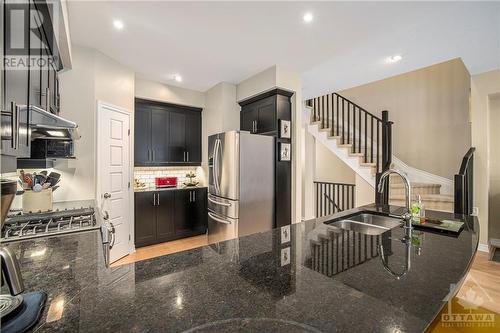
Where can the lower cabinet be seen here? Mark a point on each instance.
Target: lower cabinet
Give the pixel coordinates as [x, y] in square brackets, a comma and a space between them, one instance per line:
[162, 216]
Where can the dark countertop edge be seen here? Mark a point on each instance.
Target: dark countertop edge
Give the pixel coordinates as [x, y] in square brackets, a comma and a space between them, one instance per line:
[158, 189]
[430, 213]
[459, 284]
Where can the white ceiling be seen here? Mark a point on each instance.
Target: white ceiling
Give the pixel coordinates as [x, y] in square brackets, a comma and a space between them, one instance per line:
[345, 45]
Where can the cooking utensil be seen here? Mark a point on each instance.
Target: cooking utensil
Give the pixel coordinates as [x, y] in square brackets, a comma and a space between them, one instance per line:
[44, 172]
[53, 178]
[37, 188]
[40, 179]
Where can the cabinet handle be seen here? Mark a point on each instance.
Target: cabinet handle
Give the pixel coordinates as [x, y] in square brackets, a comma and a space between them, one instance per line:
[157, 199]
[13, 118]
[154, 199]
[47, 100]
[194, 196]
[187, 156]
[190, 196]
[153, 154]
[256, 126]
[253, 126]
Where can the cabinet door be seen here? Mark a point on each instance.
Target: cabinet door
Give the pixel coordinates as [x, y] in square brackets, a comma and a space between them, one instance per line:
[193, 137]
[199, 211]
[190, 212]
[142, 135]
[159, 136]
[145, 219]
[165, 228]
[266, 115]
[247, 118]
[177, 137]
[35, 72]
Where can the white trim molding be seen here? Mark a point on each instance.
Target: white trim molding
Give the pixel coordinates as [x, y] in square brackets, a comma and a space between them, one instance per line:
[483, 248]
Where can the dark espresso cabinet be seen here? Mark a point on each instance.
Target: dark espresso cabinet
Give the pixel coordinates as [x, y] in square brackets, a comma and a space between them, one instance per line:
[190, 212]
[162, 216]
[166, 134]
[262, 115]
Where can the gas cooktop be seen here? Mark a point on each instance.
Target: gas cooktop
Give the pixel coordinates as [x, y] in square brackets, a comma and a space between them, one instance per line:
[32, 225]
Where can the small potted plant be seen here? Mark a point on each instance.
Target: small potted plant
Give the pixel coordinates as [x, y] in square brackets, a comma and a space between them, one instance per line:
[191, 179]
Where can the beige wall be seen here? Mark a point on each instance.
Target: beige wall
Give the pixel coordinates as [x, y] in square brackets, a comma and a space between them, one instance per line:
[429, 108]
[221, 114]
[256, 84]
[161, 92]
[330, 168]
[365, 193]
[93, 77]
[483, 86]
[494, 153]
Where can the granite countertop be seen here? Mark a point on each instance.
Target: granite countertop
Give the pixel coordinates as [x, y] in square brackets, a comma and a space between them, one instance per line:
[321, 280]
[173, 188]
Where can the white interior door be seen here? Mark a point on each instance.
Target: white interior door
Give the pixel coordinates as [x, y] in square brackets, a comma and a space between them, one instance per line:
[113, 169]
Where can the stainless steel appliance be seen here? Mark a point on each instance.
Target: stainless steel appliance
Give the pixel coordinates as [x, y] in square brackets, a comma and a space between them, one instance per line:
[241, 184]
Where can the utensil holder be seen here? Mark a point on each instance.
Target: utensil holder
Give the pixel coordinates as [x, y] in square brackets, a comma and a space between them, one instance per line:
[37, 201]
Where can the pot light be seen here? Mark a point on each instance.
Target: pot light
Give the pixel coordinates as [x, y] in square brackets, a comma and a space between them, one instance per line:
[177, 77]
[308, 17]
[393, 59]
[118, 24]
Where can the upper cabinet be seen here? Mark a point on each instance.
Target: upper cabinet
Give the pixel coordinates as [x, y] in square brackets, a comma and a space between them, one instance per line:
[34, 49]
[260, 114]
[167, 134]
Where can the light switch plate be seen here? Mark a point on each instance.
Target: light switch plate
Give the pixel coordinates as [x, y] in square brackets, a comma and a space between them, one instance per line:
[475, 211]
[285, 234]
[285, 256]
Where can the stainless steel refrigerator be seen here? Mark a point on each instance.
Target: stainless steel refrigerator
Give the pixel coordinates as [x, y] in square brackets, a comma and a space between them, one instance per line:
[241, 184]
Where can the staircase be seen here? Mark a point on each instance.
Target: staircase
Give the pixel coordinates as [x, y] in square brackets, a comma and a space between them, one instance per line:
[364, 142]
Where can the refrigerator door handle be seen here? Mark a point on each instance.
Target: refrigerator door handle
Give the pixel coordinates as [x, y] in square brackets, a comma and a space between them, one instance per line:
[219, 202]
[216, 166]
[215, 218]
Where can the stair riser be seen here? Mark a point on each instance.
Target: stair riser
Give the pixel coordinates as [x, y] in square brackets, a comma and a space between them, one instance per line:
[416, 190]
[433, 205]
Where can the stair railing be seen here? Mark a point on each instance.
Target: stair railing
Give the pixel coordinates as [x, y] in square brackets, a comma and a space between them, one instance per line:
[368, 135]
[332, 198]
[464, 184]
[352, 125]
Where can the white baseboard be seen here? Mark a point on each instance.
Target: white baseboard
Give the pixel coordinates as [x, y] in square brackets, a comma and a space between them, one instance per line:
[483, 247]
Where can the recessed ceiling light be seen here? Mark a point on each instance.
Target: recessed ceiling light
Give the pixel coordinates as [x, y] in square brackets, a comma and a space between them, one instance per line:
[308, 17]
[393, 59]
[118, 24]
[177, 77]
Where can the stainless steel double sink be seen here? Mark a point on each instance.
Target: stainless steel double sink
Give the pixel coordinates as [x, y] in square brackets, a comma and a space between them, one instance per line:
[366, 223]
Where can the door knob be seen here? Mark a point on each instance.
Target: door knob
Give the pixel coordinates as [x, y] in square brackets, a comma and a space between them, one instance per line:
[107, 195]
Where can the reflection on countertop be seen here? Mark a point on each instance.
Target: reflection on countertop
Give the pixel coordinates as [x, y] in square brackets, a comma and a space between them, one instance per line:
[313, 282]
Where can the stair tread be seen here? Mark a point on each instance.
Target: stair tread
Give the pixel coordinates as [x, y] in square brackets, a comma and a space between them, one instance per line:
[416, 184]
[426, 197]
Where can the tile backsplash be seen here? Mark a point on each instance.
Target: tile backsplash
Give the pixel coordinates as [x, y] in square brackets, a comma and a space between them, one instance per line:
[148, 174]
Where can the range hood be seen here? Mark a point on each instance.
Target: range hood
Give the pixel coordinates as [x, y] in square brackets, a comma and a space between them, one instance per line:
[46, 125]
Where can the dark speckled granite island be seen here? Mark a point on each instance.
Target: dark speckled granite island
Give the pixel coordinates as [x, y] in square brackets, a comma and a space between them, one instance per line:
[322, 280]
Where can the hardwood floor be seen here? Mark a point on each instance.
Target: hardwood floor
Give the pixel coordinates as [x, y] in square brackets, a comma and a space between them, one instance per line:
[479, 294]
[157, 250]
